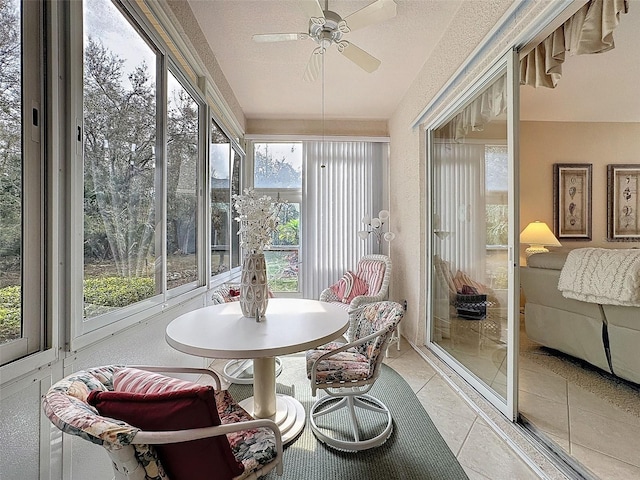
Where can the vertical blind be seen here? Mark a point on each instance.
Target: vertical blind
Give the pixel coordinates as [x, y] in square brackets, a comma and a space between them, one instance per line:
[458, 202]
[343, 181]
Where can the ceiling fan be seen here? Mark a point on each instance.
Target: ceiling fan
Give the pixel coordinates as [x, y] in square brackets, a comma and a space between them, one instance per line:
[327, 28]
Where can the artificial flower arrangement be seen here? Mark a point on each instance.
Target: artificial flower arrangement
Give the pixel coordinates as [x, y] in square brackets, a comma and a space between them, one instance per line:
[258, 218]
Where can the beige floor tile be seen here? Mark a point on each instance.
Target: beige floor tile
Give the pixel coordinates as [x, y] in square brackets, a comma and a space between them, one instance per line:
[585, 400]
[487, 454]
[610, 437]
[547, 415]
[552, 387]
[453, 427]
[413, 369]
[605, 467]
[473, 475]
[437, 395]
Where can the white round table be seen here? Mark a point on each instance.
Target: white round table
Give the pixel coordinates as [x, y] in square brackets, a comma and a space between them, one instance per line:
[289, 326]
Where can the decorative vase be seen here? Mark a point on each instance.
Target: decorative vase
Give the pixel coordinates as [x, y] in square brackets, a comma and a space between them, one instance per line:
[254, 292]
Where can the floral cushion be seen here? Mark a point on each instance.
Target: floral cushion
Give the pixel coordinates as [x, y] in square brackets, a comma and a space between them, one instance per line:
[359, 362]
[155, 402]
[346, 366]
[253, 448]
[65, 404]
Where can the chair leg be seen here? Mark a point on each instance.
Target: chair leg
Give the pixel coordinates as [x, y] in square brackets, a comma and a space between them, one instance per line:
[350, 402]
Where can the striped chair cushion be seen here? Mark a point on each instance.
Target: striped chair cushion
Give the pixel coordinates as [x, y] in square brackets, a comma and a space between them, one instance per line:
[372, 272]
[133, 380]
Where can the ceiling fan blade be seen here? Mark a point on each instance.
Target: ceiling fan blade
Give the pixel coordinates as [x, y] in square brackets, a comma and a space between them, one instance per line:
[311, 8]
[279, 37]
[314, 66]
[375, 12]
[365, 61]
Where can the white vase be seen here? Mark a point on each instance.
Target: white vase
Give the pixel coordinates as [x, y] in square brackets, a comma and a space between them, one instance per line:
[254, 292]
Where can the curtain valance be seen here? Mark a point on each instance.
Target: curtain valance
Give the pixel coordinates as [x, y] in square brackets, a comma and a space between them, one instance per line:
[589, 30]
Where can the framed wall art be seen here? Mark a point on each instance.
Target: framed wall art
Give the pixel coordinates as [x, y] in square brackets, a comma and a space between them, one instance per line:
[572, 200]
[623, 221]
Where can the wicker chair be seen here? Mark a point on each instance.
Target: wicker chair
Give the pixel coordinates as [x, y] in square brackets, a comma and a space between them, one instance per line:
[216, 438]
[346, 372]
[375, 270]
[237, 371]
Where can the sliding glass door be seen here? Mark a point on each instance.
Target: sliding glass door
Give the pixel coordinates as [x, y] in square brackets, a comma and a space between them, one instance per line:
[473, 306]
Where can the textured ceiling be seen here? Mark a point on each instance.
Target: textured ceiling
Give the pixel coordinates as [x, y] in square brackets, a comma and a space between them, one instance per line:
[267, 78]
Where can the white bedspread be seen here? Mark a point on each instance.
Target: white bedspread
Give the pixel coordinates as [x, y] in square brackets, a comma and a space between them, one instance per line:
[602, 275]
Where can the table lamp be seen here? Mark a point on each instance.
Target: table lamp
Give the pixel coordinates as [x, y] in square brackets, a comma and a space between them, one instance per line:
[538, 235]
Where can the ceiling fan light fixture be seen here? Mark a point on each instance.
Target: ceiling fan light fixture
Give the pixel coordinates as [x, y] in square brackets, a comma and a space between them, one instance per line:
[327, 28]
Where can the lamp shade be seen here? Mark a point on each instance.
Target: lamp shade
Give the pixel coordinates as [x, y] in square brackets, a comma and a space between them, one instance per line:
[538, 235]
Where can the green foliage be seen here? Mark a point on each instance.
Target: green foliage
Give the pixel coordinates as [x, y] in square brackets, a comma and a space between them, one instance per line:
[497, 224]
[117, 291]
[10, 324]
[288, 232]
[10, 319]
[10, 297]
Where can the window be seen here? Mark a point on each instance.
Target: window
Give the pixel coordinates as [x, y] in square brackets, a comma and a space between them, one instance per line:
[142, 171]
[225, 159]
[120, 178]
[182, 185]
[21, 182]
[277, 165]
[277, 172]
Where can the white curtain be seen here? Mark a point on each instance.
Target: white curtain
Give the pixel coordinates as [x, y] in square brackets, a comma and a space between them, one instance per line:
[343, 181]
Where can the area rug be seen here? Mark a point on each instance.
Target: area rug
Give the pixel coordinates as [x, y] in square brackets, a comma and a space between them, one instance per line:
[415, 449]
[625, 395]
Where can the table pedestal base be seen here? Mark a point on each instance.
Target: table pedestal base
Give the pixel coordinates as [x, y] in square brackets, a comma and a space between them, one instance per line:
[290, 415]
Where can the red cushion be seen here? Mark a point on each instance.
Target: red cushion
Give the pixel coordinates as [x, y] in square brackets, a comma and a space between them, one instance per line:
[206, 459]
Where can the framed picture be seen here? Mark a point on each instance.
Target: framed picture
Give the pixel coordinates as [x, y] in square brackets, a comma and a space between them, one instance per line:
[623, 222]
[572, 200]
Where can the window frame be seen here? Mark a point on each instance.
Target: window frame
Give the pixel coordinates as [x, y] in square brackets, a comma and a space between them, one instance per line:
[234, 149]
[83, 332]
[35, 335]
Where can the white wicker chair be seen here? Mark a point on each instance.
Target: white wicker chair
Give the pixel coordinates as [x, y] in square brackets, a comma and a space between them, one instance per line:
[346, 372]
[255, 444]
[373, 295]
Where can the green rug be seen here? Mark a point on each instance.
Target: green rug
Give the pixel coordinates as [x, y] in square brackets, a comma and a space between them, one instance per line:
[415, 449]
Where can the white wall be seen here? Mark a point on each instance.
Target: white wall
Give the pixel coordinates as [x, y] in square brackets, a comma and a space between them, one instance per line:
[408, 184]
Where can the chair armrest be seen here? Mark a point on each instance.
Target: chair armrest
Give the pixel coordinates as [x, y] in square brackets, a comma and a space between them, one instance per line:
[162, 437]
[364, 299]
[196, 371]
[328, 295]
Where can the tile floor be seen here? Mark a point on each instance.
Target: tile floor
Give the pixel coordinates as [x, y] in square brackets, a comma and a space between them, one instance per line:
[480, 450]
[598, 434]
[602, 437]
